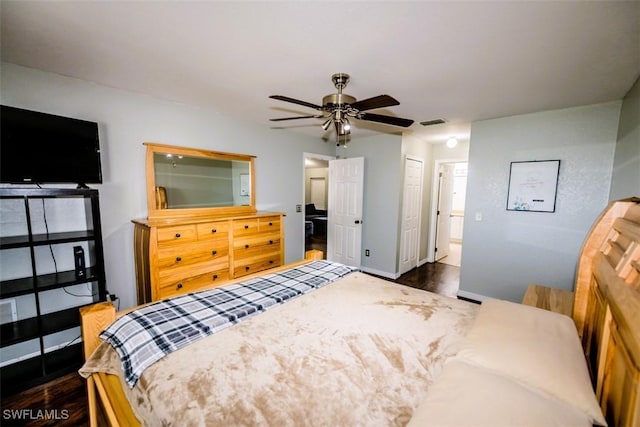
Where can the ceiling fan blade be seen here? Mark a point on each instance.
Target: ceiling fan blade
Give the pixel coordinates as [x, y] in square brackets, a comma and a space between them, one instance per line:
[296, 101]
[396, 121]
[297, 117]
[379, 101]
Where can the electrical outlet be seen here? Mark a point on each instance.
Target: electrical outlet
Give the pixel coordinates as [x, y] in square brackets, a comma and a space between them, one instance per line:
[366, 252]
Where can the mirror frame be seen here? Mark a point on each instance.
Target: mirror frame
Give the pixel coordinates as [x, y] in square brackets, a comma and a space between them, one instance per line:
[183, 213]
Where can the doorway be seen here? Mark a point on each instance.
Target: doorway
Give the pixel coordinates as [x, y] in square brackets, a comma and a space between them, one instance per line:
[316, 181]
[450, 183]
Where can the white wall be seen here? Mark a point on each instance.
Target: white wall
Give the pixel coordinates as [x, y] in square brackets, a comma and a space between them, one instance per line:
[127, 120]
[625, 181]
[508, 250]
[459, 152]
[316, 173]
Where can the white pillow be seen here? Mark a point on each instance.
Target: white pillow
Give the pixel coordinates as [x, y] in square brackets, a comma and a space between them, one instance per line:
[538, 348]
[468, 395]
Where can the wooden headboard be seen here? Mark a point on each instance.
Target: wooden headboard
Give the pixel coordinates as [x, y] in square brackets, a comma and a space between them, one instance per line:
[607, 310]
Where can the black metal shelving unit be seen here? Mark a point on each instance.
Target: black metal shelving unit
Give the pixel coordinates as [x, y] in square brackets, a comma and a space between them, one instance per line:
[31, 370]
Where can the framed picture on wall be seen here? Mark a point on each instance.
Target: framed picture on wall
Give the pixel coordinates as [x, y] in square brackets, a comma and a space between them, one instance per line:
[533, 186]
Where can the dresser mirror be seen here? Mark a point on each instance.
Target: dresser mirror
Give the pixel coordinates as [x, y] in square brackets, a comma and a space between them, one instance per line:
[185, 182]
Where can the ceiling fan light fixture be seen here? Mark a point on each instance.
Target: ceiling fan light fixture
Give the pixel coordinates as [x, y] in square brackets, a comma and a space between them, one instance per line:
[342, 127]
[452, 142]
[339, 105]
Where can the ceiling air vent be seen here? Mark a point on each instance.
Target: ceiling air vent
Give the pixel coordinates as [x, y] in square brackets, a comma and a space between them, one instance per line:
[433, 122]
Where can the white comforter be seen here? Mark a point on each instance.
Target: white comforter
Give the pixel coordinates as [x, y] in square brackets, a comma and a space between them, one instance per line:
[361, 351]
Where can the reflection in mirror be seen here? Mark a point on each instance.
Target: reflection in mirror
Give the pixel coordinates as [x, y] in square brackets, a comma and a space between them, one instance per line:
[187, 182]
[184, 181]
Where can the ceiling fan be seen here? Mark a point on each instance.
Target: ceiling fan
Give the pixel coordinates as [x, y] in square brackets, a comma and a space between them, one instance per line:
[338, 108]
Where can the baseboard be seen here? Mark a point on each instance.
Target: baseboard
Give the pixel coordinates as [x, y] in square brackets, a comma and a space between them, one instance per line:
[423, 262]
[392, 276]
[472, 296]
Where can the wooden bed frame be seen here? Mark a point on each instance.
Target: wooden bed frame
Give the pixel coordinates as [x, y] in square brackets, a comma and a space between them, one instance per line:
[606, 310]
[605, 307]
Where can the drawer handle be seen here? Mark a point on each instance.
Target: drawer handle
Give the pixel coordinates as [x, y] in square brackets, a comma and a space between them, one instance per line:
[270, 261]
[246, 246]
[177, 235]
[179, 286]
[215, 276]
[270, 224]
[271, 242]
[246, 268]
[246, 227]
[178, 259]
[213, 230]
[214, 252]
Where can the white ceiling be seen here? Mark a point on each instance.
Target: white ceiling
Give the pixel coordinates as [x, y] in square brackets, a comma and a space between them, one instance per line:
[460, 61]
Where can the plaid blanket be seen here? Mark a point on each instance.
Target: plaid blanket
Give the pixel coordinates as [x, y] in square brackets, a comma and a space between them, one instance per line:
[144, 336]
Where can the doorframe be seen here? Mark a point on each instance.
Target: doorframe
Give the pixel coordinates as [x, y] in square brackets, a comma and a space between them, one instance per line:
[431, 246]
[306, 155]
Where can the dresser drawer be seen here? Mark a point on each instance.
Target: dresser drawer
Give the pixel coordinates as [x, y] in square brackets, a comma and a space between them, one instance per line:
[173, 274]
[267, 241]
[180, 255]
[213, 230]
[253, 264]
[242, 254]
[243, 227]
[269, 224]
[179, 233]
[194, 283]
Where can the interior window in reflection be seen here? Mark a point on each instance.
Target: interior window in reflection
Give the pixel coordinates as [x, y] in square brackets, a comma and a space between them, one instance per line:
[196, 182]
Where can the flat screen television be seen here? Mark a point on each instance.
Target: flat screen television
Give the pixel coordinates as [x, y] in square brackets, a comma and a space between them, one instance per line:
[40, 148]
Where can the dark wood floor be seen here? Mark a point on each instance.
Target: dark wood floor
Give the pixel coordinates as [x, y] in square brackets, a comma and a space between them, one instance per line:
[61, 402]
[435, 277]
[65, 398]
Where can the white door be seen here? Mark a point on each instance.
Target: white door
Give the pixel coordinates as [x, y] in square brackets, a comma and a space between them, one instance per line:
[344, 228]
[411, 210]
[445, 199]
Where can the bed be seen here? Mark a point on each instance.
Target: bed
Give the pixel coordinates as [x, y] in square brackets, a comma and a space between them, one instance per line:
[359, 350]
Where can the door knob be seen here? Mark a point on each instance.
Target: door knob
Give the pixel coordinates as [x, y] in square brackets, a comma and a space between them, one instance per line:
[357, 221]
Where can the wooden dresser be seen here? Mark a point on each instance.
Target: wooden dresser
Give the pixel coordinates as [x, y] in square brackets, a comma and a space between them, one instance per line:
[178, 256]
